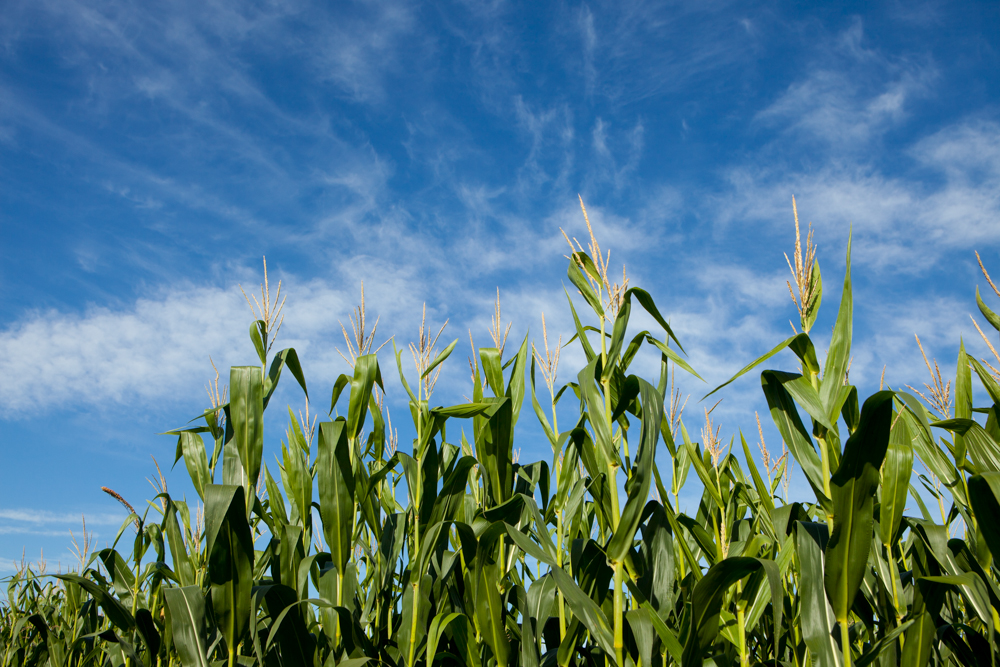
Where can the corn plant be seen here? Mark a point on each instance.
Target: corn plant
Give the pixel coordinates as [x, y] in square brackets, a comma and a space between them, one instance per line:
[451, 551]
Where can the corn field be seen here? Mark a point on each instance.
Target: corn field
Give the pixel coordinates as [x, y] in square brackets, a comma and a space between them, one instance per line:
[450, 551]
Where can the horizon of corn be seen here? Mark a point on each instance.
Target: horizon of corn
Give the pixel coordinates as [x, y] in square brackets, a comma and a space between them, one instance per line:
[452, 551]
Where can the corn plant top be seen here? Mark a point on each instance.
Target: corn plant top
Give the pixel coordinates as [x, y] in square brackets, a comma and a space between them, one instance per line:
[452, 551]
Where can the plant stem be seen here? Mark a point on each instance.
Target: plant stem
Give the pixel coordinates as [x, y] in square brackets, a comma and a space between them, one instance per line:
[619, 614]
[893, 574]
[559, 564]
[741, 621]
[845, 642]
[619, 617]
[416, 528]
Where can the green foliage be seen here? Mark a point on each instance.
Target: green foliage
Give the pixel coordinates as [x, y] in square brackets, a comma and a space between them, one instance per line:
[454, 552]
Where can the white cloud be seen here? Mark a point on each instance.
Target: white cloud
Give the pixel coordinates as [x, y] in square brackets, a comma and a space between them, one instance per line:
[935, 191]
[356, 53]
[850, 97]
[37, 517]
[900, 223]
[830, 106]
[143, 353]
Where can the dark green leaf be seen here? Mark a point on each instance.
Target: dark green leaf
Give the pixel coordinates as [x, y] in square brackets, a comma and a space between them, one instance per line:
[188, 628]
[853, 487]
[230, 560]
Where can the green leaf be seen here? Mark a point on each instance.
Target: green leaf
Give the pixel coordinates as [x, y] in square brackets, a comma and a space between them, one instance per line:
[438, 360]
[919, 640]
[489, 612]
[581, 334]
[816, 616]
[802, 391]
[183, 567]
[673, 356]
[963, 404]
[438, 626]
[882, 645]
[464, 410]
[515, 385]
[927, 449]
[641, 622]
[706, 603]
[288, 631]
[646, 301]
[596, 414]
[990, 316]
[121, 577]
[839, 354]
[246, 412]
[984, 495]
[579, 262]
[256, 328]
[230, 560]
[196, 460]
[617, 339]
[786, 418]
[287, 357]
[800, 339]
[853, 488]
[587, 611]
[116, 612]
[186, 607]
[895, 480]
[147, 631]
[450, 502]
[763, 492]
[850, 409]
[981, 447]
[495, 451]
[971, 587]
[991, 385]
[492, 369]
[540, 600]
[402, 376]
[542, 419]
[637, 486]
[812, 310]
[338, 389]
[336, 489]
[667, 637]
[366, 370]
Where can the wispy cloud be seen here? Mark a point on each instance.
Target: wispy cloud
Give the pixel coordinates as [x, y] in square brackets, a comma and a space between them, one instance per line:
[852, 95]
[42, 517]
[948, 200]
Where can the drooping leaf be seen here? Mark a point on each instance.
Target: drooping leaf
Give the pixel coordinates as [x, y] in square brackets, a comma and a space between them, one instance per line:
[800, 444]
[116, 612]
[587, 611]
[196, 461]
[797, 338]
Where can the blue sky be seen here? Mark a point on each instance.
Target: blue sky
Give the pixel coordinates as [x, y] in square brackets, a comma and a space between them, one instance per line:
[150, 154]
